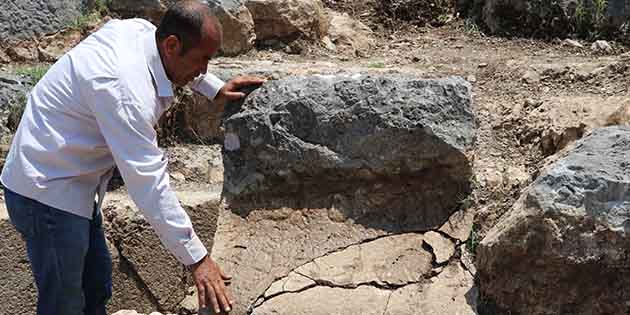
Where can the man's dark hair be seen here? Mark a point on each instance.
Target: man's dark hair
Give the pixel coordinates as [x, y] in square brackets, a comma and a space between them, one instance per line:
[184, 19]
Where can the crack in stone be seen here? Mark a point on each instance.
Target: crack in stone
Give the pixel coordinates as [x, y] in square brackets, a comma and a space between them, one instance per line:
[455, 241]
[324, 284]
[387, 304]
[319, 282]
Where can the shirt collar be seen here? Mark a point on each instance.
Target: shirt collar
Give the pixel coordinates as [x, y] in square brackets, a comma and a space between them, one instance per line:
[154, 62]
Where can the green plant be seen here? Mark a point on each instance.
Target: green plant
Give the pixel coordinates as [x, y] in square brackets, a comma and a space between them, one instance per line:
[589, 18]
[34, 72]
[376, 64]
[471, 27]
[473, 241]
[85, 20]
[96, 10]
[101, 6]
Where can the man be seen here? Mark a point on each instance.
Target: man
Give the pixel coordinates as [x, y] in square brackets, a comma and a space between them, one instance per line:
[96, 108]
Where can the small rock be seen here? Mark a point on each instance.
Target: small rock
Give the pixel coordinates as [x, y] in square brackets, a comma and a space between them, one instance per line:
[328, 44]
[21, 54]
[4, 58]
[443, 248]
[471, 78]
[532, 103]
[573, 43]
[415, 59]
[531, 77]
[190, 304]
[482, 65]
[601, 46]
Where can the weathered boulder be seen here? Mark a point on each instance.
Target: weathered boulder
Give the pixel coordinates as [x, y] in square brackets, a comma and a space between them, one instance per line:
[27, 19]
[385, 150]
[288, 20]
[238, 26]
[566, 237]
[350, 35]
[237, 22]
[164, 277]
[13, 93]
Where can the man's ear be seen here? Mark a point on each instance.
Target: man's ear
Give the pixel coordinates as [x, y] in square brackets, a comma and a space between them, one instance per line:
[172, 46]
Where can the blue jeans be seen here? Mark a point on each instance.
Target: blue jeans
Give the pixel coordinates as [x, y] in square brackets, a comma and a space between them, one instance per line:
[68, 256]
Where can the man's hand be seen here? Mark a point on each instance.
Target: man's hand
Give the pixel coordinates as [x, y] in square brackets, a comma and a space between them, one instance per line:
[211, 289]
[231, 90]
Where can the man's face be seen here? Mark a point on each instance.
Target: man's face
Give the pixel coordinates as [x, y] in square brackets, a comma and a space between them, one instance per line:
[183, 68]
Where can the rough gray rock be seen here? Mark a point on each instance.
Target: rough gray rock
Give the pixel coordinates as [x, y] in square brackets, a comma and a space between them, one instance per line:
[388, 151]
[13, 94]
[566, 237]
[26, 19]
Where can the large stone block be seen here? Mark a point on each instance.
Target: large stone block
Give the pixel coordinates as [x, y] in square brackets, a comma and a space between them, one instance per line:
[385, 150]
[566, 237]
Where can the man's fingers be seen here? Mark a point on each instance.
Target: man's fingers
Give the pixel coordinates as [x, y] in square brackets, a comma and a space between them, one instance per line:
[219, 288]
[212, 296]
[232, 96]
[224, 276]
[245, 81]
[201, 294]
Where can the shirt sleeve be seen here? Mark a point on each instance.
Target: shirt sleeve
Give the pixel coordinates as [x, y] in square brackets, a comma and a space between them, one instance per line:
[208, 85]
[132, 141]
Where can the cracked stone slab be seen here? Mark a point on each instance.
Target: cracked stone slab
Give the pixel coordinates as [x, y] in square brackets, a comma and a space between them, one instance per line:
[442, 247]
[366, 300]
[268, 244]
[450, 292]
[165, 278]
[391, 260]
[292, 283]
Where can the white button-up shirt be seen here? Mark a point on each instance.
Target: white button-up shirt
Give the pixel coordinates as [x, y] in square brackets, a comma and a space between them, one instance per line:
[96, 107]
